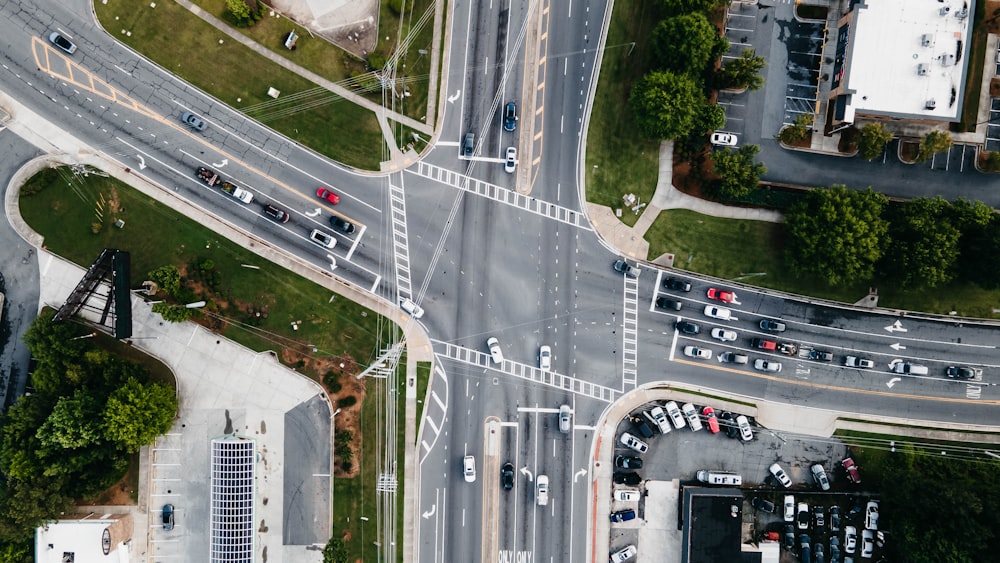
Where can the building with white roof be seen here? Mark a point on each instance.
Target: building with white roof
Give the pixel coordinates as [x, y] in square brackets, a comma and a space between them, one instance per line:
[85, 538]
[902, 59]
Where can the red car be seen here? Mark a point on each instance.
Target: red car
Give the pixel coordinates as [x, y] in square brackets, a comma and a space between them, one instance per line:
[710, 420]
[326, 194]
[852, 470]
[719, 295]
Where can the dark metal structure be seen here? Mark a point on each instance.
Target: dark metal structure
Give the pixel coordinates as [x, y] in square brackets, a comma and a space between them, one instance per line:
[103, 289]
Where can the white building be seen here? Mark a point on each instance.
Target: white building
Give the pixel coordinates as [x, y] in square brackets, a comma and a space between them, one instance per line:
[85, 538]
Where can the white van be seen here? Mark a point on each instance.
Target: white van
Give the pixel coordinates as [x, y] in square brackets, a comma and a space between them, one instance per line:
[909, 369]
[720, 478]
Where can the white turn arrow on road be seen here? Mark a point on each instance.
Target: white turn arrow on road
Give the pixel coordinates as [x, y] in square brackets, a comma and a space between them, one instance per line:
[224, 162]
[893, 381]
[896, 327]
[430, 512]
[451, 99]
[142, 162]
[313, 213]
[526, 473]
[897, 347]
[579, 473]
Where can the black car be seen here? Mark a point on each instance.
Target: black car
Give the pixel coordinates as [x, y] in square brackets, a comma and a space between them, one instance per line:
[762, 505]
[772, 325]
[960, 372]
[507, 476]
[688, 327]
[632, 479]
[168, 517]
[834, 518]
[856, 509]
[628, 462]
[727, 421]
[623, 515]
[510, 117]
[675, 284]
[664, 303]
[278, 214]
[821, 355]
[789, 537]
[342, 225]
[643, 427]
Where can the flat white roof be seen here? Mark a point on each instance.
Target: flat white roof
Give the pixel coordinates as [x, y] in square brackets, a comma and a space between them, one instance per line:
[77, 541]
[907, 55]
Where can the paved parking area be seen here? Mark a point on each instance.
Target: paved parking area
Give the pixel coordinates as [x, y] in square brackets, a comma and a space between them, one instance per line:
[804, 42]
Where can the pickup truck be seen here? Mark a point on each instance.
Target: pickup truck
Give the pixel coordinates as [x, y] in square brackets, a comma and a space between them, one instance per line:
[209, 176]
[788, 348]
[237, 192]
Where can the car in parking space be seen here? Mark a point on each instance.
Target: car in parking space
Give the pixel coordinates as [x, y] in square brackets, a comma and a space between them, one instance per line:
[676, 284]
[687, 327]
[780, 475]
[734, 358]
[728, 422]
[469, 468]
[672, 304]
[871, 515]
[642, 426]
[710, 420]
[818, 552]
[724, 139]
[856, 362]
[623, 515]
[636, 444]
[850, 539]
[697, 353]
[724, 335]
[802, 516]
[660, 418]
[821, 355]
[835, 550]
[789, 508]
[623, 554]
[856, 508]
[962, 372]
[674, 412]
[721, 295]
[325, 240]
[411, 308]
[762, 505]
[834, 518]
[804, 548]
[58, 40]
[168, 517]
[631, 478]
[764, 344]
[507, 476]
[627, 495]
[276, 213]
[510, 160]
[496, 354]
[766, 365]
[545, 358]
[622, 266]
[867, 544]
[789, 537]
[819, 518]
[720, 313]
[853, 475]
[193, 121]
[819, 474]
[342, 225]
[565, 419]
[772, 325]
[691, 414]
[325, 194]
[510, 117]
[628, 462]
[746, 433]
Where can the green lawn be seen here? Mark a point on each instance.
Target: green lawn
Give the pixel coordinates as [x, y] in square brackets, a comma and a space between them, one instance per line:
[64, 209]
[619, 159]
[187, 46]
[752, 252]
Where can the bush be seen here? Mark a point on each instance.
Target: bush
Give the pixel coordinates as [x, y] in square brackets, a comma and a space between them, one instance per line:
[348, 401]
[797, 132]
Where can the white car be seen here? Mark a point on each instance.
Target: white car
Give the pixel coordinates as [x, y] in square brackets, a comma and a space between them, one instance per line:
[802, 515]
[746, 433]
[494, 345]
[766, 365]
[867, 544]
[789, 508]
[850, 539]
[720, 313]
[542, 490]
[856, 362]
[412, 308]
[623, 554]
[660, 418]
[636, 444]
[697, 353]
[323, 239]
[627, 495]
[871, 515]
[545, 358]
[724, 334]
[724, 139]
[565, 419]
[674, 412]
[691, 414]
[510, 163]
[469, 468]
[242, 195]
[780, 475]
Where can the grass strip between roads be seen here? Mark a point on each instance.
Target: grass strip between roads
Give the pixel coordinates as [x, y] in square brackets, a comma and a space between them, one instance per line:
[190, 48]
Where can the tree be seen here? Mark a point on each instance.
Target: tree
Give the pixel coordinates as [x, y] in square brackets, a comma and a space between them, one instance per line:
[739, 174]
[685, 43]
[168, 278]
[56, 347]
[335, 551]
[712, 117]
[933, 143]
[742, 72]
[686, 6]
[666, 105]
[798, 131]
[874, 137]
[173, 313]
[240, 12]
[74, 422]
[924, 243]
[980, 228]
[836, 234]
[25, 505]
[137, 413]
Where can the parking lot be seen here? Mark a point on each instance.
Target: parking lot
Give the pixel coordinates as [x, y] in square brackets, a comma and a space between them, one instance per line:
[672, 461]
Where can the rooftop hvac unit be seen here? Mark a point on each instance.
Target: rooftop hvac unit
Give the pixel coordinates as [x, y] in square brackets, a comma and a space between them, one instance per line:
[944, 10]
[923, 69]
[931, 104]
[962, 14]
[925, 40]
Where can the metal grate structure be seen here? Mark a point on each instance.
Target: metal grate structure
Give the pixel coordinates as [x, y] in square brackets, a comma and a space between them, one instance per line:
[232, 510]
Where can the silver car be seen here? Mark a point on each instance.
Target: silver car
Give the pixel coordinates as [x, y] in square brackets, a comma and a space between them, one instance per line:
[565, 419]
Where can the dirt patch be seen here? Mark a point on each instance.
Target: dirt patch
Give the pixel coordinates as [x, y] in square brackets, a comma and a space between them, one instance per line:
[119, 494]
[992, 20]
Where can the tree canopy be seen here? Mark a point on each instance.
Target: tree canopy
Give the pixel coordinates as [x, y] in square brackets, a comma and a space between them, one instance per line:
[738, 173]
[924, 243]
[874, 137]
[666, 105]
[836, 234]
[933, 143]
[136, 413]
[686, 6]
[686, 43]
[742, 72]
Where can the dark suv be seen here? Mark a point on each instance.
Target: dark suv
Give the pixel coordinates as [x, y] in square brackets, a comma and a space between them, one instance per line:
[628, 462]
[688, 327]
[675, 284]
[510, 117]
[507, 476]
[342, 224]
